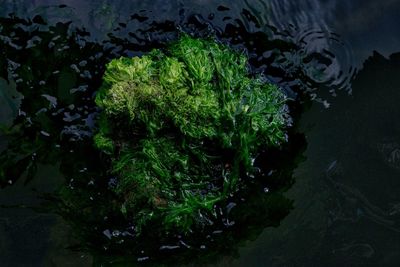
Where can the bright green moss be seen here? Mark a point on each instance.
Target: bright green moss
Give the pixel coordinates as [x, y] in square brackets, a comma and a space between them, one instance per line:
[183, 128]
[103, 143]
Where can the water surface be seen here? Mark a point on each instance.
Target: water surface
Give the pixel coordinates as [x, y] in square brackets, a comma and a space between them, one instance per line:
[341, 53]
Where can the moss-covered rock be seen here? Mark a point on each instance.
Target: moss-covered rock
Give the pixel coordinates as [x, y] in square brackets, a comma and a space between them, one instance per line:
[183, 127]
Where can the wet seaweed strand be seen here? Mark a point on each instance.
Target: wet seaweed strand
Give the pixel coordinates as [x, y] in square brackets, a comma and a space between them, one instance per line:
[182, 127]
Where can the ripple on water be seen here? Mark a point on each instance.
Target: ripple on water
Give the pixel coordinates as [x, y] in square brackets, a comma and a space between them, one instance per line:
[322, 60]
[58, 69]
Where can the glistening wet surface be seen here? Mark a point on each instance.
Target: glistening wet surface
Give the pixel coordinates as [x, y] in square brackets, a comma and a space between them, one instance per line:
[342, 54]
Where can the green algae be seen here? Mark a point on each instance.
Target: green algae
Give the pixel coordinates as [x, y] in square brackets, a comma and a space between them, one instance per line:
[183, 127]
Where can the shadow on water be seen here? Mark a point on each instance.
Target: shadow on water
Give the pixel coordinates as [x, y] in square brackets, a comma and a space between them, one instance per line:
[50, 73]
[346, 202]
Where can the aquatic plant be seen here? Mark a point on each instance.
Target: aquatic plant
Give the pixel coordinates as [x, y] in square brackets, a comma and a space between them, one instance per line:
[183, 127]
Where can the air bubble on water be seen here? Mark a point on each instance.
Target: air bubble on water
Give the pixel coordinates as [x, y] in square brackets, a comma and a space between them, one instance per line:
[81, 88]
[116, 233]
[52, 100]
[86, 74]
[126, 233]
[168, 247]
[184, 244]
[12, 65]
[228, 223]
[45, 133]
[83, 63]
[107, 233]
[230, 206]
[42, 110]
[75, 68]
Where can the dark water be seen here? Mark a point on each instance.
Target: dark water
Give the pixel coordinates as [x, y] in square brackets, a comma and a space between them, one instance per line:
[346, 201]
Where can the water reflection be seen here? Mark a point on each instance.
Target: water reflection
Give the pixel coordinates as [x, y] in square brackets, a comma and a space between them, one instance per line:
[346, 202]
[57, 68]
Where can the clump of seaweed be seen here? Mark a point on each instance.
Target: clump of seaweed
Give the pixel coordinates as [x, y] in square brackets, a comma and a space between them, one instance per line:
[183, 127]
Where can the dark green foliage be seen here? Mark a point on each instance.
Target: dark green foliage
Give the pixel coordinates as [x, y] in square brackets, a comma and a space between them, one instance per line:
[183, 128]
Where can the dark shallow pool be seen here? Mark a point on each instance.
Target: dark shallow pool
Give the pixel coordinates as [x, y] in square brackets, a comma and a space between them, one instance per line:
[344, 55]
